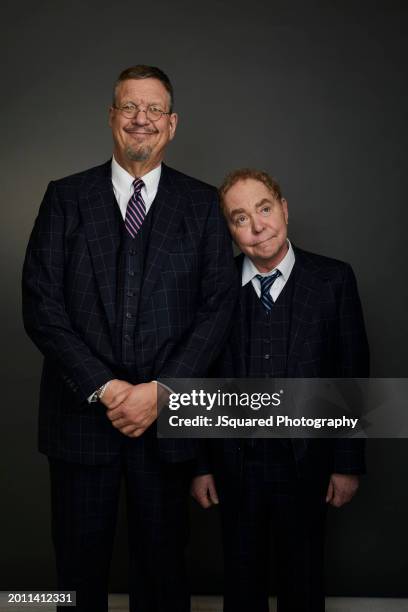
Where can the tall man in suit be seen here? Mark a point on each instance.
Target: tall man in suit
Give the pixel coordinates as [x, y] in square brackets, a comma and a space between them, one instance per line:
[299, 315]
[128, 276]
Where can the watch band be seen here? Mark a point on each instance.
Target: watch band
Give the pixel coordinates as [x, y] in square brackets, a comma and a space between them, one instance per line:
[96, 396]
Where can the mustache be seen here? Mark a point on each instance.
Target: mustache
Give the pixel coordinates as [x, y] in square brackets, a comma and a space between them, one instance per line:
[139, 131]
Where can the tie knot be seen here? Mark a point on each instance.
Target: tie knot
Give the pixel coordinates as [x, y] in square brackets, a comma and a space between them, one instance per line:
[138, 185]
[267, 281]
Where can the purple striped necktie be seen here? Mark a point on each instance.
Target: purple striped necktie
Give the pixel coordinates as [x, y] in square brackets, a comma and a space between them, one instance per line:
[136, 209]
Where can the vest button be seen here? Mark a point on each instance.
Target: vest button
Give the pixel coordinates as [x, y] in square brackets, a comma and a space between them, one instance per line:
[128, 337]
[131, 293]
[132, 252]
[128, 315]
[267, 356]
[131, 272]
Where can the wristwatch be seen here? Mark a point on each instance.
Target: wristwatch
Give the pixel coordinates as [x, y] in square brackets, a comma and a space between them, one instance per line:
[96, 396]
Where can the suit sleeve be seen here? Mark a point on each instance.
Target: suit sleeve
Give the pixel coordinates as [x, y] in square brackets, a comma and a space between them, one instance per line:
[349, 456]
[202, 463]
[45, 317]
[218, 292]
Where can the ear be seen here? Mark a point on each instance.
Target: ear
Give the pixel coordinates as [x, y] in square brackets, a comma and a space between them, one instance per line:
[285, 209]
[173, 120]
[110, 116]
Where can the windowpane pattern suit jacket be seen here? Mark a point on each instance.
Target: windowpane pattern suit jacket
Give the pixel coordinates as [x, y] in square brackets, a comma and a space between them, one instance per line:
[327, 339]
[69, 303]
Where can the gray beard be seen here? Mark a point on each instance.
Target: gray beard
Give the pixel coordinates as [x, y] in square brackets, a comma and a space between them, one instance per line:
[141, 154]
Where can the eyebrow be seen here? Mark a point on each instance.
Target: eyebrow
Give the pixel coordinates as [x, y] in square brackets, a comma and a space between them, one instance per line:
[238, 211]
[148, 104]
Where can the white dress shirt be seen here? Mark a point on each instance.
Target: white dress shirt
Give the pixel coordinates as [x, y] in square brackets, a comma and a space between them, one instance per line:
[122, 183]
[249, 272]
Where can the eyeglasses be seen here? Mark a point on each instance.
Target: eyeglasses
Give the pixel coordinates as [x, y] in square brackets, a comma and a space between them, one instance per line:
[153, 113]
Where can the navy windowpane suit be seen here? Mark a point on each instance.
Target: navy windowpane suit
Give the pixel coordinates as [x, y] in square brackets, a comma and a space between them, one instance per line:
[283, 483]
[75, 311]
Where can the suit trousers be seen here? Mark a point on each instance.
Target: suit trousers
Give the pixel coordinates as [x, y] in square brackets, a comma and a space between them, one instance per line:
[84, 502]
[293, 512]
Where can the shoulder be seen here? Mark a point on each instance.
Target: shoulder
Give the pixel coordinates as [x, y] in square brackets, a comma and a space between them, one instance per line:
[188, 184]
[63, 195]
[84, 178]
[320, 266]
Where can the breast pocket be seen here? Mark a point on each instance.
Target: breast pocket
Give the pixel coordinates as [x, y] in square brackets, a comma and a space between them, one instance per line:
[182, 244]
[180, 275]
[182, 256]
[181, 281]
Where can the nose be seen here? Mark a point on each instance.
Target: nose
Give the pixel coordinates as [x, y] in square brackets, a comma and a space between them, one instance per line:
[140, 117]
[256, 225]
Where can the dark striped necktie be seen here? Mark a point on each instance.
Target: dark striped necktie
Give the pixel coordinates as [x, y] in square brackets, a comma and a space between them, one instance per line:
[266, 284]
[136, 209]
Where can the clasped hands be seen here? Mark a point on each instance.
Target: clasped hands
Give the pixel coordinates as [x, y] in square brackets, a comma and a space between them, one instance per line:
[133, 408]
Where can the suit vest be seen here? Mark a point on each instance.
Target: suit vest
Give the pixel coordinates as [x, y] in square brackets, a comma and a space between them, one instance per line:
[266, 347]
[266, 353]
[131, 257]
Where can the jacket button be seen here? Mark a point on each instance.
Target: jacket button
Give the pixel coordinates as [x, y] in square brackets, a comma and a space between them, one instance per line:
[128, 315]
[132, 252]
[131, 273]
[267, 356]
[128, 337]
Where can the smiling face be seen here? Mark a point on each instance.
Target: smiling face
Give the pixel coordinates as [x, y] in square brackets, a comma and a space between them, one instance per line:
[258, 222]
[140, 140]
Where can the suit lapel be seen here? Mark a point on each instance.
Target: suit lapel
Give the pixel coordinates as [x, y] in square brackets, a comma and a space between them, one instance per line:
[305, 308]
[169, 205]
[99, 213]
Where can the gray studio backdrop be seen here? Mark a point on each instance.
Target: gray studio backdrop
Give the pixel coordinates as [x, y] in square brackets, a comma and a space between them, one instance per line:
[313, 92]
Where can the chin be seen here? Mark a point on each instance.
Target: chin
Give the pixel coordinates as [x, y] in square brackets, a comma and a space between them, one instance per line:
[266, 254]
[142, 154]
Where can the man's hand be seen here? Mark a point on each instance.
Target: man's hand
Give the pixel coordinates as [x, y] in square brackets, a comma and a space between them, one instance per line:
[137, 410]
[342, 488]
[115, 393]
[203, 490]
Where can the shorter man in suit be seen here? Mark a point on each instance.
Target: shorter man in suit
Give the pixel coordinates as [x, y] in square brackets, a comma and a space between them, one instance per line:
[299, 316]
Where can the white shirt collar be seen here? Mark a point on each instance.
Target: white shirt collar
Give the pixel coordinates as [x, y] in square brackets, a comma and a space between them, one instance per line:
[123, 181]
[249, 270]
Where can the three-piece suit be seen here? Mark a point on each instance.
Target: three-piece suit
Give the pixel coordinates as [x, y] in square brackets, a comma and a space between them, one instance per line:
[314, 329]
[101, 305]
